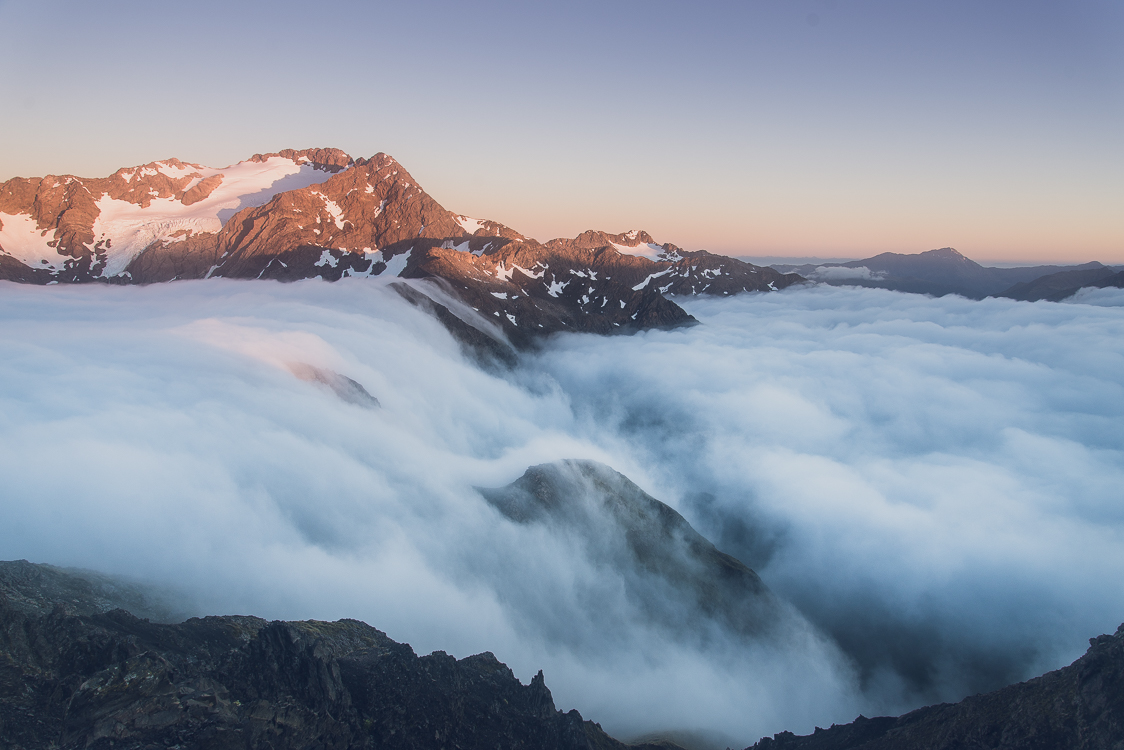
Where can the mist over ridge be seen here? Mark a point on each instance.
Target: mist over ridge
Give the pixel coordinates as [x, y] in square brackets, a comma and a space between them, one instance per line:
[931, 482]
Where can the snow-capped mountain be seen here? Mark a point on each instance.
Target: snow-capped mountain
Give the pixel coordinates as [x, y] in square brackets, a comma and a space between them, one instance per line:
[75, 229]
[321, 213]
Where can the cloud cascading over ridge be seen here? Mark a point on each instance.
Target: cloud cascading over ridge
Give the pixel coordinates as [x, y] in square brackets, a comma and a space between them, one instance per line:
[933, 483]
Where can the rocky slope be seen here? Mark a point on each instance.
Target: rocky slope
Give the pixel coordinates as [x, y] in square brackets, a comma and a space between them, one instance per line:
[320, 213]
[73, 675]
[1079, 707]
[37, 590]
[936, 272]
[674, 574]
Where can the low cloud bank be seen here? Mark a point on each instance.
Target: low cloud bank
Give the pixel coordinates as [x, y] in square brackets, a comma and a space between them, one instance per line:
[843, 273]
[935, 482]
[932, 483]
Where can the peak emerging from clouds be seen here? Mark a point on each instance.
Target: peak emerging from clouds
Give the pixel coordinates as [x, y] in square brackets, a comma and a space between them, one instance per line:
[320, 213]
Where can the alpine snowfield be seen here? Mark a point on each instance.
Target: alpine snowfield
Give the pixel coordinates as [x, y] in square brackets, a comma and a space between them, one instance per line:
[125, 228]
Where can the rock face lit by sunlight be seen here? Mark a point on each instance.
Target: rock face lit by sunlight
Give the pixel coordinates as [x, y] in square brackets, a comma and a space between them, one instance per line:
[931, 486]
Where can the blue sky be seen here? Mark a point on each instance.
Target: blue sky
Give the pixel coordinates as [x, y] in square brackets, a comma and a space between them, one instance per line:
[811, 127]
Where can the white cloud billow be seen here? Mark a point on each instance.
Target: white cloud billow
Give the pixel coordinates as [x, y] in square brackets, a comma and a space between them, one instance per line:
[841, 273]
[933, 481]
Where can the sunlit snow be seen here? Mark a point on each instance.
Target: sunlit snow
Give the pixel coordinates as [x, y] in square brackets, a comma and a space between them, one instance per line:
[21, 238]
[129, 228]
[469, 225]
[645, 250]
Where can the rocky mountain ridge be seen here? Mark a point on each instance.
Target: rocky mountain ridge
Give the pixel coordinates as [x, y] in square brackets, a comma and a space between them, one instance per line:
[80, 670]
[673, 573]
[77, 669]
[75, 674]
[319, 213]
[1079, 707]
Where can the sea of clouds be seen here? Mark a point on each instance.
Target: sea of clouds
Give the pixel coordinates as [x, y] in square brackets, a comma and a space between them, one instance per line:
[933, 483]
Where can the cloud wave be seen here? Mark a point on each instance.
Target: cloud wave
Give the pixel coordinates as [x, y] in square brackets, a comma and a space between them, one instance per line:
[932, 483]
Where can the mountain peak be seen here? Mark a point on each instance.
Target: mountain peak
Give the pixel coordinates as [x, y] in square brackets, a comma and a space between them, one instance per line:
[592, 238]
[620, 521]
[946, 253]
[318, 212]
[329, 159]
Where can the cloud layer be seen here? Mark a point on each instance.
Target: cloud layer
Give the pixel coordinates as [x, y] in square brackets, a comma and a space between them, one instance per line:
[933, 483]
[842, 273]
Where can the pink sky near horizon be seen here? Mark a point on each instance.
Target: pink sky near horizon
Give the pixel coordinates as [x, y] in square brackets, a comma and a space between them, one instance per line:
[813, 128]
[775, 230]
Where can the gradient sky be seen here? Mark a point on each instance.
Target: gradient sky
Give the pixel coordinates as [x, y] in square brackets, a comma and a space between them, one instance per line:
[807, 127]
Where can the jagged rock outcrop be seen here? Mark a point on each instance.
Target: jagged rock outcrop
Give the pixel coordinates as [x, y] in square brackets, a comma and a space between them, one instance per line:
[670, 570]
[346, 389]
[1079, 707]
[75, 676]
[318, 213]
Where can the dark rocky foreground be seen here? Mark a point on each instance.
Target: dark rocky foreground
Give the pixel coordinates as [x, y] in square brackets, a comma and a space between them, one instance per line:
[79, 671]
[75, 673]
[1079, 707]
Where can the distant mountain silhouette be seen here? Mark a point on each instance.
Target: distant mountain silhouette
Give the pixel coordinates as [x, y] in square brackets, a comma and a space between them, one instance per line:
[1058, 286]
[936, 272]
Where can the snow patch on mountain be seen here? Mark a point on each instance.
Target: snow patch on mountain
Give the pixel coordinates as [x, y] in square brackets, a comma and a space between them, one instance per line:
[648, 250]
[531, 274]
[21, 238]
[656, 275]
[469, 225]
[395, 264]
[503, 273]
[252, 184]
[130, 228]
[460, 247]
[125, 229]
[334, 209]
